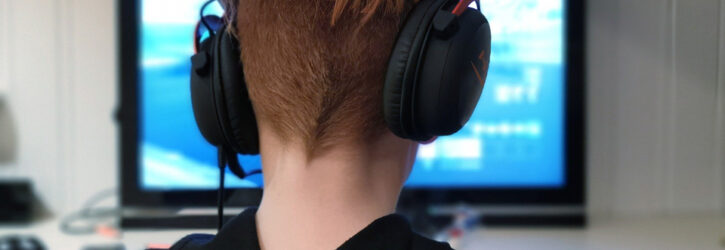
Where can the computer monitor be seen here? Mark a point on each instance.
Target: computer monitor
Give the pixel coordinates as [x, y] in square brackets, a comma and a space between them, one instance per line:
[524, 144]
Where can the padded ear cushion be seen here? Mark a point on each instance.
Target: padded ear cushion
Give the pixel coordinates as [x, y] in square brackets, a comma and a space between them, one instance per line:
[236, 115]
[202, 94]
[402, 67]
[453, 73]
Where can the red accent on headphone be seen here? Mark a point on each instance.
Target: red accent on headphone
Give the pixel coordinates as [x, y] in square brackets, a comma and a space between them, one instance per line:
[461, 7]
[196, 37]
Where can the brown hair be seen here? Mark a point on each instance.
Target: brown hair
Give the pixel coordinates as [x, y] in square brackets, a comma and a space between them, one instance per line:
[315, 68]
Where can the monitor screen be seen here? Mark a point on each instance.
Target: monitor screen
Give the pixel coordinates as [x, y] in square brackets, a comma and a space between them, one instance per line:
[515, 138]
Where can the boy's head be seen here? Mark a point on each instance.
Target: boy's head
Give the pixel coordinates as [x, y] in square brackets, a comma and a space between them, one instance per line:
[315, 69]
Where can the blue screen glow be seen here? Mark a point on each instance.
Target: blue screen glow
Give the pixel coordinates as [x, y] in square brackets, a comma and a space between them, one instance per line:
[515, 138]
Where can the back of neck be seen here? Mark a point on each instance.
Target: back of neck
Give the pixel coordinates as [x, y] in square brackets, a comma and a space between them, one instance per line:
[319, 203]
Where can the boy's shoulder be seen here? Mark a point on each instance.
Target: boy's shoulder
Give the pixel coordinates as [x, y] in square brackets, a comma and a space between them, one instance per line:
[388, 232]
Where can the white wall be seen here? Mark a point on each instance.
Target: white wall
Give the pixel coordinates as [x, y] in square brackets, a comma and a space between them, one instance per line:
[3, 49]
[59, 65]
[656, 90]
[656, 106]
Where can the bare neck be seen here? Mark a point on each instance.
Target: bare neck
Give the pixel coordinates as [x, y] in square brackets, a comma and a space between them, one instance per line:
[320, 203]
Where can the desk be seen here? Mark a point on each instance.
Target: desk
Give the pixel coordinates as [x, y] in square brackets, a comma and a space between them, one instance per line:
[48, 231]
[681, 232]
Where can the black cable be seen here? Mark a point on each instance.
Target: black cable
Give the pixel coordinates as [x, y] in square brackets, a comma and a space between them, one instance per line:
[228, 158]
[253, 172]
[221, 158]
[203, 20]
[234, 166]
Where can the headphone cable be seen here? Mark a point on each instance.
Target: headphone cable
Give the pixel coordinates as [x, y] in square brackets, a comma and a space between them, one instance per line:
[203, 20]
[228, 158]
[221, 158]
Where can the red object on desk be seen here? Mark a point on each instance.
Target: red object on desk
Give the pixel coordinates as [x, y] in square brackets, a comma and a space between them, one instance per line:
[158, 246]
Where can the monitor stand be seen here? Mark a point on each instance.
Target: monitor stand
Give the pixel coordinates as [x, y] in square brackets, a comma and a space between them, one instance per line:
[191, 218]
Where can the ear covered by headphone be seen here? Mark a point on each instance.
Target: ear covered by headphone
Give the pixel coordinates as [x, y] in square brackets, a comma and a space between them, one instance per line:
[436, 71]
[219, 96]
[435, 76]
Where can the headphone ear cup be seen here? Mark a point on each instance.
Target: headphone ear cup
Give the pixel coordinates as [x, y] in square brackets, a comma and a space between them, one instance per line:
[453, 73]
[436, 71]
[202, 94]
[237, 117]
[401, 75]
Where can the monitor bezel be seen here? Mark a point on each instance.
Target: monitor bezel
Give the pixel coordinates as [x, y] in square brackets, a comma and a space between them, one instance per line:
[572, 193]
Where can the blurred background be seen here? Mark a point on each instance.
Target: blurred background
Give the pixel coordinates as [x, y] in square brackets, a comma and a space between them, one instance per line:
[655, 121]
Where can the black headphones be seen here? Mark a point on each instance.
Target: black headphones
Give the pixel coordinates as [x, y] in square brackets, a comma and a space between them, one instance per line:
[434, 79]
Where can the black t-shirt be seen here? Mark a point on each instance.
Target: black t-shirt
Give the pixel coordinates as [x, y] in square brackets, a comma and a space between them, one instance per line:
[389, 232]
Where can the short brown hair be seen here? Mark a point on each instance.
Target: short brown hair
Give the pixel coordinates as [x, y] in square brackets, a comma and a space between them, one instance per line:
[315, 68]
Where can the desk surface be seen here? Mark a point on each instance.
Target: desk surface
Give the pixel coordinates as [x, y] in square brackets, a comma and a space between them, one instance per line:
[682, 232]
